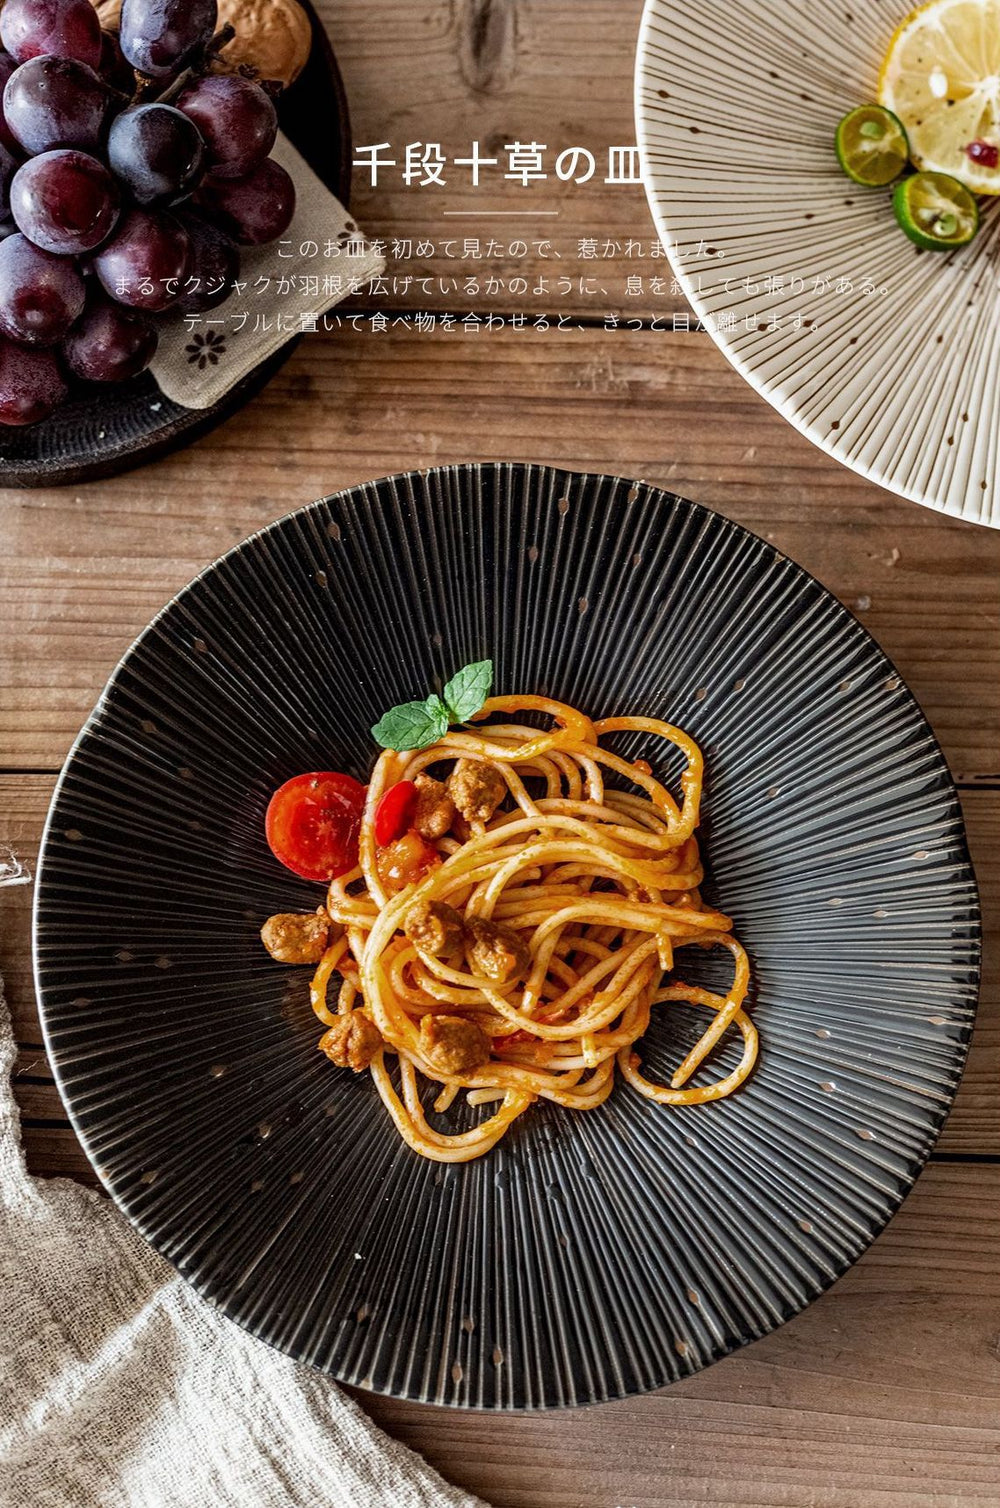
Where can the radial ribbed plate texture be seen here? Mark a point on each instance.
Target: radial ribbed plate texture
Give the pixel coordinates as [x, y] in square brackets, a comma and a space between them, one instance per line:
[886, 356]
[593, 1254]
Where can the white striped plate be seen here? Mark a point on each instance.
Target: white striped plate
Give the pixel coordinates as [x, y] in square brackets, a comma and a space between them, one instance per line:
[886, 356]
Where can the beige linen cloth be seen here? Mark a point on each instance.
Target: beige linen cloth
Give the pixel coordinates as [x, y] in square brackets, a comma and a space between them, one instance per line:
[284, 290]
[121, 1388]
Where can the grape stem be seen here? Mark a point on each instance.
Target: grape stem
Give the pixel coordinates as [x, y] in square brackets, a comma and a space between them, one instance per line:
[195, 70]
[222, 38]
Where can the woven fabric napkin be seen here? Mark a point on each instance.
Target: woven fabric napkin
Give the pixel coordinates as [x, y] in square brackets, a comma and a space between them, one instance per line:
[121, 1388]
[283, 290]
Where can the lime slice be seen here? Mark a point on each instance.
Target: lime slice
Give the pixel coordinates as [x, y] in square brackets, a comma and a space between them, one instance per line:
[871, 146]
[936, 211]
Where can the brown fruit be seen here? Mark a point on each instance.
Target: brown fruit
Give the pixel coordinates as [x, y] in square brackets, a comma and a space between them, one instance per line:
[109, 13]
[272, 36]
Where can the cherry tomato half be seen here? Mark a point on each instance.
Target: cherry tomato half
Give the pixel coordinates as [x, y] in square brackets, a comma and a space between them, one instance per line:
[312, 824]
[394, 812]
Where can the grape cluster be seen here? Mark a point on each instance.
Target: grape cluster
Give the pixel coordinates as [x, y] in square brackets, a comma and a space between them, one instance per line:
[130, 175]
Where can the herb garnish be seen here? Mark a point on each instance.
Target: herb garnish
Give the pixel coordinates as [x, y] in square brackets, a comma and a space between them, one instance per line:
[414, 725]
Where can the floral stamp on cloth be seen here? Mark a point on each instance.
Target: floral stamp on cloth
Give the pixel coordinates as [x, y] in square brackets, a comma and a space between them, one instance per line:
[205, 350]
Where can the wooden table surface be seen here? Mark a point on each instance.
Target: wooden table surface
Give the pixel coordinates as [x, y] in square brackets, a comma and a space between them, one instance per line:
[887, 1390]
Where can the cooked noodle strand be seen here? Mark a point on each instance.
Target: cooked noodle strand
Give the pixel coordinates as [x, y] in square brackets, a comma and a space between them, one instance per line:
[601, 886]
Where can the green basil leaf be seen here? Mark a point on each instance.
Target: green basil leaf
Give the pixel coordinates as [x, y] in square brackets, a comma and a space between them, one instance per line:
[466, 692]
[412, 725]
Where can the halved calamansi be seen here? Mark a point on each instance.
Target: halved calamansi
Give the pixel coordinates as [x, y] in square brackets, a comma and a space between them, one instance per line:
[936, 211]
[871, 146]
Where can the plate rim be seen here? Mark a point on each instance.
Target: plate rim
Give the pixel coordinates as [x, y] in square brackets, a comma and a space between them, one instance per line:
[768, 391]
[965, 873]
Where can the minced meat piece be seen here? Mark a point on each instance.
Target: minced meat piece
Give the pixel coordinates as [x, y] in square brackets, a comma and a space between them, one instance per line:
[496, 952]
[453, 1045]
[476, 789]
[352, 1041]
[434, 926]
[435, 811]
[291, 938]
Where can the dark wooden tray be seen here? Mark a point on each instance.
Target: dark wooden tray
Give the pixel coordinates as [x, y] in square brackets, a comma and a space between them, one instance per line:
[102, 431]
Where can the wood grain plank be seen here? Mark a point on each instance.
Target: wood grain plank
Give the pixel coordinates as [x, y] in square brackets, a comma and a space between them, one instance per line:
[973, 1128]
[54, 1152]
[882, 1394]
[84, 570]
[557, 73]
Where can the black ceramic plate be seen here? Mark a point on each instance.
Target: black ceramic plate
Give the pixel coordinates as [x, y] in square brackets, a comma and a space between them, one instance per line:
[104, 430]
[590, 1255]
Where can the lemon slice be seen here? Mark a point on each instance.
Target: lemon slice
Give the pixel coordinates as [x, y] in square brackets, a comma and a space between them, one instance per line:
[941, 77]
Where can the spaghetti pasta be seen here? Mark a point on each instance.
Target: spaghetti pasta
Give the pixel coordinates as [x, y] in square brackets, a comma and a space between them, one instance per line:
[522, 956]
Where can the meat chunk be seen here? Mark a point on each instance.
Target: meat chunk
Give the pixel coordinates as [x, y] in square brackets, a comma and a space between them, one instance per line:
[453, 1045]
[435, 811]
[495, 952]
[476, 789]
[434, 926]
[352, 1041]
[291, 938]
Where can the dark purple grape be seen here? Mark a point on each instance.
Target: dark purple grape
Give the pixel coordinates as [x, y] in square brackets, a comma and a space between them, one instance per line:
[9, 165]
[64, 202]
[110, 343]
[7, 66]
[67, 28]
[237, 121]
[114, 67]
[215, 265]
[40, 295]
[56, 102]
[31, 384]
[255, 209]
[146, 262]
[160, 36]
[156, 152]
